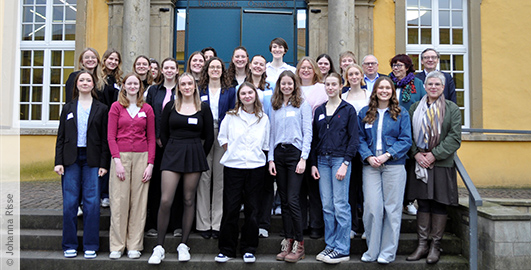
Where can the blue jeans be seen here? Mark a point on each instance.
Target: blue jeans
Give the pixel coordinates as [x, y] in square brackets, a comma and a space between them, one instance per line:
[78, 179]
[336, 209]
[383, 191]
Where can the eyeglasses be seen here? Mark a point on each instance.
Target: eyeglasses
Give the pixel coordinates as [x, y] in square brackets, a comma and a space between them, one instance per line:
[430, 57]
[397, 65]
[370, 64]
[214, 67]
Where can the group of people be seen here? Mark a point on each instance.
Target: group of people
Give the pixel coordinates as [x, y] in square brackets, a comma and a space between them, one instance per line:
[338, 145]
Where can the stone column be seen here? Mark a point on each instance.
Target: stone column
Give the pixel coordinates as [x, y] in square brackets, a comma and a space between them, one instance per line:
[135, 35]
[341, 28]
[318, 28]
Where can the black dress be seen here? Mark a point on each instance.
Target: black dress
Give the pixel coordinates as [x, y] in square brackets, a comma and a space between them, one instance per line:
[181, 138]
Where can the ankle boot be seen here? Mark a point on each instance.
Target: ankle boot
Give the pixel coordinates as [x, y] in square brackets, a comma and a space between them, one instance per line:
[438, 223]
[285, 248]
[423, 230]
[297, 252]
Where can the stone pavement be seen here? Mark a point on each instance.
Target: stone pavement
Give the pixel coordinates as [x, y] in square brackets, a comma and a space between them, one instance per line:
[47, 194]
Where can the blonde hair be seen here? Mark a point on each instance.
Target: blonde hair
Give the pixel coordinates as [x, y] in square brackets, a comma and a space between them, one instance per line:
[179, 96]
[347, 83]
[98, 80]
[317, 75]
[122, 96]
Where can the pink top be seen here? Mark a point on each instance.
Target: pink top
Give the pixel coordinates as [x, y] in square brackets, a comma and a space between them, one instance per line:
[126, 134]
[315, 95]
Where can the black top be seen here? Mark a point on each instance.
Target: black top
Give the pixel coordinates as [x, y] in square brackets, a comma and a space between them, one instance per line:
[110, 92]
[177, 126]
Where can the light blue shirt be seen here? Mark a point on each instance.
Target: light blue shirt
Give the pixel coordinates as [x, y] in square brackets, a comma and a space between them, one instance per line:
[370, 83]
[290, 125]
[82, 124]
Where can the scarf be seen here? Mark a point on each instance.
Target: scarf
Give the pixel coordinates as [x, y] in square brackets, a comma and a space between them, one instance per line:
[407, 84]
[427, 123]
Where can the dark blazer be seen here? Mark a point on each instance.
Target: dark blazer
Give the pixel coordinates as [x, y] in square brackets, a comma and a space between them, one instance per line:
[155, 97]
[69, 86]
[449, 86]
[227, 100]
[98, 154]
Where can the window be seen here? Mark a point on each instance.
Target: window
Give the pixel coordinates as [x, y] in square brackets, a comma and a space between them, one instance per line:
[46, 59]
[442, 25]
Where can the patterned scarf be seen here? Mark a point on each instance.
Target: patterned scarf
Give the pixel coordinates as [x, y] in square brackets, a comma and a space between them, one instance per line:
[407, 84]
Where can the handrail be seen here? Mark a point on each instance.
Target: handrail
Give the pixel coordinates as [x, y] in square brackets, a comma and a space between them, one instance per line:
[481, 130]
[474, 200]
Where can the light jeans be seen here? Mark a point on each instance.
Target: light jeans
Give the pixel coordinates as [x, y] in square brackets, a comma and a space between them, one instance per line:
[383, 191]
[336, 209]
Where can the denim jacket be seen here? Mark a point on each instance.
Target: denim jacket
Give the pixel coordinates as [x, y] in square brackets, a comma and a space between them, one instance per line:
[396, 136]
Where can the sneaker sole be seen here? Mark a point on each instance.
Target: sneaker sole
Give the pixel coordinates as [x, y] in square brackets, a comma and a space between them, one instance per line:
[336, 261]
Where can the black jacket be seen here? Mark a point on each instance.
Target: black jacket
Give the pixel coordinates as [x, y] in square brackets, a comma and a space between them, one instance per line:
[155, 97]
[98, 154]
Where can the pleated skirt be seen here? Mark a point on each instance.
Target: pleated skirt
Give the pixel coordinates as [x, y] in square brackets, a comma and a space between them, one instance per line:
[184, 156]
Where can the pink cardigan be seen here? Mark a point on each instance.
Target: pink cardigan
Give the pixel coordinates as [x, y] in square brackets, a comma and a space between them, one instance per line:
[126, 134]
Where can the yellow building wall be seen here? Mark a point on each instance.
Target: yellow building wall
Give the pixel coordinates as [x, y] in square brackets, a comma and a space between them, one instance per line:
[97, 25]
[36, 149]
[384, 33]
[505, 39]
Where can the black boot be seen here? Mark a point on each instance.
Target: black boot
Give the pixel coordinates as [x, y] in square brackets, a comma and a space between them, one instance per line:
[423, 230]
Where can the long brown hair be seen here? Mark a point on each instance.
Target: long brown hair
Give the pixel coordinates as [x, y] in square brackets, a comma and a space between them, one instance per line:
[258, 110]
[231, 72]
[179, 96]
[122, 97]
[149, 77]
[394, 107]
[205, 78]
[93, 93]
[117, 72]
[296, 96]
[262, 84]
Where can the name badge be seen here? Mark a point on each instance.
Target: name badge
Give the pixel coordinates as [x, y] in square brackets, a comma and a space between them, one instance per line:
[290, 113]
[367, 125]
[204, 98]
[69, 116]
[321, 117]
[192, 121]
[268, 93]
[141, 114]
[116, 86]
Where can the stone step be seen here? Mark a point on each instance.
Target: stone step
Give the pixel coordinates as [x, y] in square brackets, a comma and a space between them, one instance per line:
[53, 219]
[51, 240]
[54, 260]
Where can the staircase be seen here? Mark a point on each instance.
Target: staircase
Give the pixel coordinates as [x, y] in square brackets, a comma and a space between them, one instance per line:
[40, 239]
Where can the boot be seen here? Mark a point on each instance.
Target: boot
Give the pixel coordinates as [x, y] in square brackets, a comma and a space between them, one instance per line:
[285, 248]
[423, 230]
[297, 252]
[438, 223]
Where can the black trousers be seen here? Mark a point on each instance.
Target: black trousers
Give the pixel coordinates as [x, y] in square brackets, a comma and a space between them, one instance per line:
[266, 199]
[356, 193]
[289, 187]
[311, 205]
[240, 185]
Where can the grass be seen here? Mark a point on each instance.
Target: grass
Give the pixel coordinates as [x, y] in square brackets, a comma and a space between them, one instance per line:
[38, 171]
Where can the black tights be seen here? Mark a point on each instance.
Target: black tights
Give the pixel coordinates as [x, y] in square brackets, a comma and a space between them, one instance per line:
[169, 183]
[431, 206]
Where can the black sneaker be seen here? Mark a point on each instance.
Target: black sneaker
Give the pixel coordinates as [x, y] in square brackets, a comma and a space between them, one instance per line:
[335, 257]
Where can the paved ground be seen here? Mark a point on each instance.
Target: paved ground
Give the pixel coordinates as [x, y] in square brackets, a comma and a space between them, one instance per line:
[47, 194]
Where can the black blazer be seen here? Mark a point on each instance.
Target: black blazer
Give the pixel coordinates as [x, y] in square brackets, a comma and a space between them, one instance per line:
[98, 154]
[154, 98]
[449, 87]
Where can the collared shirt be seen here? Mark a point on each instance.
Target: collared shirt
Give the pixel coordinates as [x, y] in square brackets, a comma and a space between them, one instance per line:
[247, 137]
[290, 125]
[370, 83]
[273, 73]
[214, 104]
[82, 124]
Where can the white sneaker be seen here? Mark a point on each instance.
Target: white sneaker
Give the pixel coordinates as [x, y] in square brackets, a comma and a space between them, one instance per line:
[411, 210]
[90, 254]
[363, 236]
[115, 255]
[157, 256]
[382, 261]
[105, 203]
[184, 252]
[323, 253]
[221, 258]
[263, 233]
[278, 211]
[249, 258]
[133, 254]
[352, 234]
[79, 211]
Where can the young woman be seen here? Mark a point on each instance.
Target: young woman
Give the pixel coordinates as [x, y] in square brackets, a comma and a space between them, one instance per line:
[184, 123]
[256, 74]
[244, 134]
[217, 92]
[131, 136]
[195, 64]
[346, 59]
[239, 66]
[157, 97]
[89, 60]
[141, 67]
[356, 94]
[385, 138]
[291, 137]
[81, 156]
[278, 48]
[156, 73]
[334, 145]
[326, 66]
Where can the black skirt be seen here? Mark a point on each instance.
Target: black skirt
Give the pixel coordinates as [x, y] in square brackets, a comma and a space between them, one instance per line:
[441, 186]
[184, 156]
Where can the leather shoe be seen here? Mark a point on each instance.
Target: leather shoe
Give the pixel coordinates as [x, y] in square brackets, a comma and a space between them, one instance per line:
[316, 233]
[206, 234]
[215, 234]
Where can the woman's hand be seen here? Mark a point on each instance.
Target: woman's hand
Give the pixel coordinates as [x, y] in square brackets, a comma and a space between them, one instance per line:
[159, 142]
[430, 158]
[315, 173]
[341, 172]
[422, 160]
[120, 170]
[382, 158]
[374, 162]
[272, 169]
[301, 166]
[59, 169]
[102, 172]
[147, 173]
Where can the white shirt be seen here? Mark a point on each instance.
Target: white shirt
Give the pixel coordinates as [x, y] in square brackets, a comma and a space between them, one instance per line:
[381, 113]
[214, 104]
[246, 137]
[273, 73]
